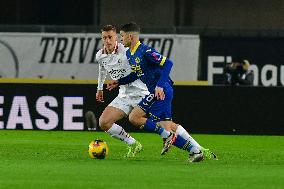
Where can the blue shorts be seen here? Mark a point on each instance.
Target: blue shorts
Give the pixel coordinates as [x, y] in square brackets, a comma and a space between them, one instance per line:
[158, 110]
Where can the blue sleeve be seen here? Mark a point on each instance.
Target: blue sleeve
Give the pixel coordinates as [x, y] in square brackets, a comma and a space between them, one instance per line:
[127, 79]
[153, 56]
[165, 72]
[166, 65]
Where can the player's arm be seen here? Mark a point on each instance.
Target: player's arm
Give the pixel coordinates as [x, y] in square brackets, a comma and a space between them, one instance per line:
[166, 69]
[122, 81]
[166, 66]
[101, 80]
[162, 61]
[128, 79]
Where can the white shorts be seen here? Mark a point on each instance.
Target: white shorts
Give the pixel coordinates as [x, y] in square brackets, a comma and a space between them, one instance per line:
[126, 104]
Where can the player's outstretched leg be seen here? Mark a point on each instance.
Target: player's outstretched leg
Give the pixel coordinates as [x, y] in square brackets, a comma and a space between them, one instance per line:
[169, 137]
[107, 123]
[133, 146]
[138, 118]
[204, 153]
[183, 139]
[196, 152]
[186, 142]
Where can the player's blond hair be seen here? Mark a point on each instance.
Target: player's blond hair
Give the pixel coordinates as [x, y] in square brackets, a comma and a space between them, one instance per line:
[108, 28]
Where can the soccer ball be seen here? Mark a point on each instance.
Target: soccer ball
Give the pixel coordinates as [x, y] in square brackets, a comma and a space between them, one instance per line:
[98, 149]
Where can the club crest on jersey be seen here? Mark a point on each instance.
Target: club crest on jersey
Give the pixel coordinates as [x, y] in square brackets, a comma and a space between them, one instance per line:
[137, 60]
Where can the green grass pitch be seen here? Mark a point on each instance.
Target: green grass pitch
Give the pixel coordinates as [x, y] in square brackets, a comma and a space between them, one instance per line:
[59, 159]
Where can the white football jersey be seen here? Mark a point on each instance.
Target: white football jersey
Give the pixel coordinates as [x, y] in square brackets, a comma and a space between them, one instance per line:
[117, 66]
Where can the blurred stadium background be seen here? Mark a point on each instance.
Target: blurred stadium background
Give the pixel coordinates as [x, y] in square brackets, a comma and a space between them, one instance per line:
[57, 40]
[48, 81]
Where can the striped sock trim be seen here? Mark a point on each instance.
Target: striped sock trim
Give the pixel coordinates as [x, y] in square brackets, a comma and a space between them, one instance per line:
[187, 144]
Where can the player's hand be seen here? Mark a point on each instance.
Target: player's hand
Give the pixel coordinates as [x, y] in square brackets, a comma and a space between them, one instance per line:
[100, 95]
[112, 84]
[159, 93]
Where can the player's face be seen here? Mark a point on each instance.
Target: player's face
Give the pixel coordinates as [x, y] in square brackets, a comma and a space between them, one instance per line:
[109, 38]
[125, 38]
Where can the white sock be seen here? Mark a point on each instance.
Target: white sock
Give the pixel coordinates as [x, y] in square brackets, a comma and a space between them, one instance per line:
[165, 134]
[184, 134]
[118, 132]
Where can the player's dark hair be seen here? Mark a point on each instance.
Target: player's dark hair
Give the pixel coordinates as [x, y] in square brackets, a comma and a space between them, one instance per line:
[108, 28]
[130, 27]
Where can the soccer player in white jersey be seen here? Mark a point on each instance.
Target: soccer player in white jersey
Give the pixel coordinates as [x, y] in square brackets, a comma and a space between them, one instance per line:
[112, 60]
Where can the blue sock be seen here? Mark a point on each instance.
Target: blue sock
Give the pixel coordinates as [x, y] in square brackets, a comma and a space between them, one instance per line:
[154, 127]
[182, 143]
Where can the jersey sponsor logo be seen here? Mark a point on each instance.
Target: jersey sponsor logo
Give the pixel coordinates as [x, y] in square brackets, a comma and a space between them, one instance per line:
[117, 73]
[137, 69]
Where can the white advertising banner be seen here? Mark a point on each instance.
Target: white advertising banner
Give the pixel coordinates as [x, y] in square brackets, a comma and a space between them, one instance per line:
[72, 56]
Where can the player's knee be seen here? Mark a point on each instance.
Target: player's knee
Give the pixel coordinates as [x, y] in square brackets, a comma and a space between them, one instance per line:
[104, 123]
[169, 125]
[174, 126]
[134, 119]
